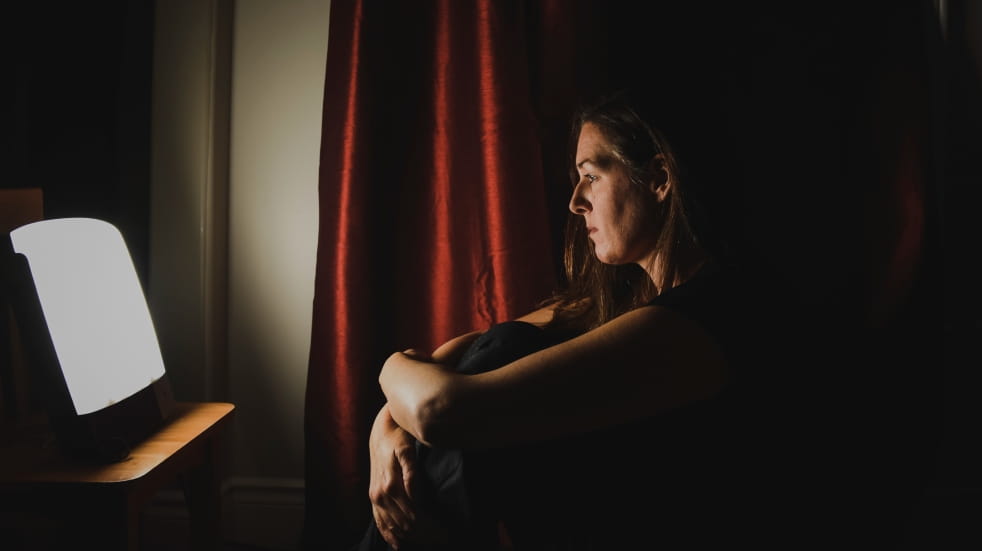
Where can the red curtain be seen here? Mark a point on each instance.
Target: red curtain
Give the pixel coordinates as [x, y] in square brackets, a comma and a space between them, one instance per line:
[443, 183]
[441, 121]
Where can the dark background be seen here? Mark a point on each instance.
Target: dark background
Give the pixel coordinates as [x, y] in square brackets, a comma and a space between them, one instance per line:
[77, 111]
[76, 108]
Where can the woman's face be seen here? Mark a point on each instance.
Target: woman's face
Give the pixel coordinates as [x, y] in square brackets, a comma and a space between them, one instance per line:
[620, 216]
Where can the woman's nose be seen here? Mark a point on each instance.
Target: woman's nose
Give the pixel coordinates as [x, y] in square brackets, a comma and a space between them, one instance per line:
[578, 203]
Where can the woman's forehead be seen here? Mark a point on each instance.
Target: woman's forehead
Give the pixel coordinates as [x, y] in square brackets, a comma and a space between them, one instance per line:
[593, 147]
[590, 142]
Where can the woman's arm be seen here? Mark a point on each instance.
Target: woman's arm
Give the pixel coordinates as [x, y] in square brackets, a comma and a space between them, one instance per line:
[393, 457]
[391, 487]
[636, 365]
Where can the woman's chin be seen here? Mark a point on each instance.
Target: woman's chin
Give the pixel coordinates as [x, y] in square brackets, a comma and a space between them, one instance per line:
[607, 258]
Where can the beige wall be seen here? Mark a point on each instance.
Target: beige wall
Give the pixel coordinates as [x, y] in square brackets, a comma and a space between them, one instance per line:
[279, 53]
[237, 97]
[188, 183]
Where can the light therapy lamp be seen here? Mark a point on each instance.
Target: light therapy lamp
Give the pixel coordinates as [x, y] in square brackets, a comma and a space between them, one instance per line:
[88, 336]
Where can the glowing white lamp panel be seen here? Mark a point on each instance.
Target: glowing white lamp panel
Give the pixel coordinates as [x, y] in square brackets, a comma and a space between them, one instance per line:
[94, 307]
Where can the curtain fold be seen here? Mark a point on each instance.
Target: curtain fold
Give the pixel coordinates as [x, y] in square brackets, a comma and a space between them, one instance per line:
[434, 216]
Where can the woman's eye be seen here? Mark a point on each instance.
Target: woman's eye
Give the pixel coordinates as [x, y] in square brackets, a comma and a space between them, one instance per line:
[591, 178]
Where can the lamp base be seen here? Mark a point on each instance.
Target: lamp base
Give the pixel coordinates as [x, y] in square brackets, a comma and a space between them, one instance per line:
[108, 435]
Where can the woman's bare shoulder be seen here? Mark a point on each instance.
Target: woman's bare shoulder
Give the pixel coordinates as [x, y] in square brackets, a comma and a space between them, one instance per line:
[539, 317]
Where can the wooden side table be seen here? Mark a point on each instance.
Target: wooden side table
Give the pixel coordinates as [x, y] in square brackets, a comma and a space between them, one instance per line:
[102, 504]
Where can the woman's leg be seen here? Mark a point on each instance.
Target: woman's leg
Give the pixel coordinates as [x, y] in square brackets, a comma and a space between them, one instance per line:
[453, 488]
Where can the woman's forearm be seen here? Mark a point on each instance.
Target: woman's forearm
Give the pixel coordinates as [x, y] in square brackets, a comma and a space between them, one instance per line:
[427, 399]
[635, 366]
[418, 394]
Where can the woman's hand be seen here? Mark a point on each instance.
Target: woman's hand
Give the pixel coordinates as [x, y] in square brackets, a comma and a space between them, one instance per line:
[391, 487]
[393, 456]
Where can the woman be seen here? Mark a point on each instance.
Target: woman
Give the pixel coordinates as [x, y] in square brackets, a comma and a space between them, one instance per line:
[562, 435]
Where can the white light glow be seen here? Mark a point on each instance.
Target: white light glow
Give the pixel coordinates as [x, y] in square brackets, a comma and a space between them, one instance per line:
[95, 309]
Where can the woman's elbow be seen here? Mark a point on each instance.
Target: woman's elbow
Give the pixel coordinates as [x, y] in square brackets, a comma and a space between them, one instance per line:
[447, 419]
[433, 422]
[431, 407]
[425, 417]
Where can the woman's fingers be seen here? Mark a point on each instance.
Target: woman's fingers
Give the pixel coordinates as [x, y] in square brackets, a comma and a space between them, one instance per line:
[398, 520]
[390, 494]
[392, 507]
[393, 458]
[391, 524]
[406, 457]
[389, 530]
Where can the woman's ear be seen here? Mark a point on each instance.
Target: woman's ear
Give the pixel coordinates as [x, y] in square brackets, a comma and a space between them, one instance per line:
[662, 179]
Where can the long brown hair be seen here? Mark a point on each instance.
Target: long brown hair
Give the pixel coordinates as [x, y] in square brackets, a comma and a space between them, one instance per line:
[593, 292]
